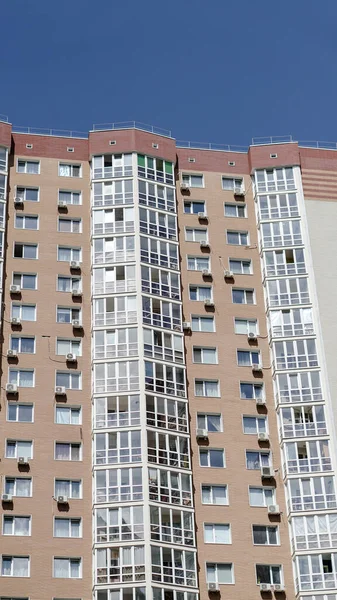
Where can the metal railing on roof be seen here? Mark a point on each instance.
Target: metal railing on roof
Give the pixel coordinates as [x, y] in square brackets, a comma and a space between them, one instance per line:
[279, 139]
[210, 146]
[132, 125]
[4, 118]
[319, 145]
[50, 132]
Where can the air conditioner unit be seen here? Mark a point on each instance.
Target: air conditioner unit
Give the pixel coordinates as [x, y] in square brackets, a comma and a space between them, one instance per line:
[76, 323]
[18, 200]
[15, 321]
[260, 402]
[238, 192]
[23, 460]
[206, 273]
[213, 587]
[60, 390]
[62, 203]
[71, 357]
[256, 368]
[62, 499]
[7, 498]
[273, 509]
[11, 388]
[265, 587]
[186, 325]
[252, 336]
[279, 587]
[263, 437]
[209, 303]
[15, 289]
[202, 434]
[204, 245]
[184, 186]
[11, 353]
[228, 274]
[202, 215]
[76, 292]
[75, 264]
[267, 472]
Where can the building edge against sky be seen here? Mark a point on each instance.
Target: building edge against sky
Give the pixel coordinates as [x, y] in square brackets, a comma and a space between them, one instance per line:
[168, 414]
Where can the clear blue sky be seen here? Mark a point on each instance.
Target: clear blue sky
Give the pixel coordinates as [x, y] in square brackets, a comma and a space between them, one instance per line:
[209, 70]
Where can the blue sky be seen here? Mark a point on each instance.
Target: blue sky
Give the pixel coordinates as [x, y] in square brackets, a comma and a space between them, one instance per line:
[217, 70]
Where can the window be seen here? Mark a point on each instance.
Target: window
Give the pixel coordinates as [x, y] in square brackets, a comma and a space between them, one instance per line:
[220, 573]
[205, 355]
[212, 457]
[247, 358]
[68, 415]
[25, 312]
[214, 494]
[198, 263]
[18, 486]
[271, 180]
[68, 284]
[67, 314]
[215, 533]
[16, 525]
[268, 574]
[237, 238]
[207, 387]
[29, 166]
[235, 210]
[16, 448]
[25, 250]
[66, 225]
[68, 346]
[72, 488]
[255, 459]
[67, 568]
[205, 324]
[70, 170]
[251, 391]
[67, 527]
[243, 296]
[27, 194]
[193, 180]
[15, 566]
[26, 221]
[261, 496]
[23, 345]
[265, 536]
[66, 254]
[71, 381]
[196, 234]
[245, 326]
[194, 207]
[20, 413]
[22, 377]
[27, 281]
[200, 292]
[240, 267]
[67, 451]
[210, 422]
[254, 425]
[70, 197]
[231, 183]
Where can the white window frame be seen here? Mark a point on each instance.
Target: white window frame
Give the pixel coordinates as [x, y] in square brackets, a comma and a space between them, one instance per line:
[188, 178]
[238, 207]
[205, 415]
[20, 337]
[244, 290]
[204, 386]
[236, 182]
[198, 287]
[242, 262]
[251, 352]
[25, 245]
[193, 230]
[77, 349]
[239, 234]
[254, 385]
[72, 193]
[30, 455]
[12, 556]
[70, 380]
[23, 217]
[73, 284]
[19, 371]
[72, 220]
[191, 202]
[214, 526]
[13, 517]
[206, 451]
[71, 166]
[70, 309]
[69, 559]
[70, 483]
[20, 305]
[200, 317]
[26, 163]
[25, 188]
[72, 445]
[195, 260]
[21, 275]
[260, 454]
[252, 326]
[257, 419]
[69, 519]
[267, 527]
[71, 249]
[17, 406]
[78, 410]
[216, 573]
[203, 348]
[29, 479]
[270, 572]
[212, 486]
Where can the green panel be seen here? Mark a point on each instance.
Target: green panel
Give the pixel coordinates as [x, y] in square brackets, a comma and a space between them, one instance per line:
[141, 160]
[168, 167]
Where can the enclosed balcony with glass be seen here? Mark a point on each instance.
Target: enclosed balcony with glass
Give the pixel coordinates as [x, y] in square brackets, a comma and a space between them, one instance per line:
[172, 526]
[173, 566]
[166, 413]
[155, 169]
[160, 283]
[281, 233]
[314, 532]
[116, 377]
[316, 572]
[122, 524]
[158, 252]
[284, 262]
[3, 159]
[274, 180]
[3, 186]
[118, 485]
[115, 343]
[159, 224]
[120, 565]
[165, 379]
[112, 193]
[278, 206]
[307, 457]
[157, 196]
[116, 447]
[163, 345]
[291, 322]
[161, 313]
[299, 387]
[171, 487]
[297, 354]
[114, 280]
[112, 165]
[168, 449]
[303, 421]
[117, 411]
[113, 220]
[115, 311]
[287, 292]
[118, 249]
[311, 493]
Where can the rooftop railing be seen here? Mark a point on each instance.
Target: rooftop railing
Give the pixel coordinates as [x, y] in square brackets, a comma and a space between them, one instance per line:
[50, 132]
[132, 125]
[4, 118]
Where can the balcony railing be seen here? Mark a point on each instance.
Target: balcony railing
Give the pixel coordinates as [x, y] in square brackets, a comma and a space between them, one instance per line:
[156, 202]
[172, 535]
[120, 419]
[169, 233]
[308, 465]
[160, 493]
[110, 172]
[288, 299]
[155, 175]
[114, 456]
[165, 321]
[174, 575]
[119, 493]
[116, 227]
[163, 353]
[280, 212]
[279, 269]
[115, 350]
[299, 395]
[168, 458]
[314, 541]
[316, 502]
[299, 361]
[119, 533]
[115, 287]
[164, 386]
[117, 256]
[119, 574]
[292, 329]
[113, 384]
[276, 241]
[115, 318]
[289, 430]
[166, 421]
[113, 200]
[2, 193]
[160, 289]
[162, 260]
[316, 581]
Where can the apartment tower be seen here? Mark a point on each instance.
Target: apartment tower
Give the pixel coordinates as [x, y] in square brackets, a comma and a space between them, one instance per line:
[168, 416]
